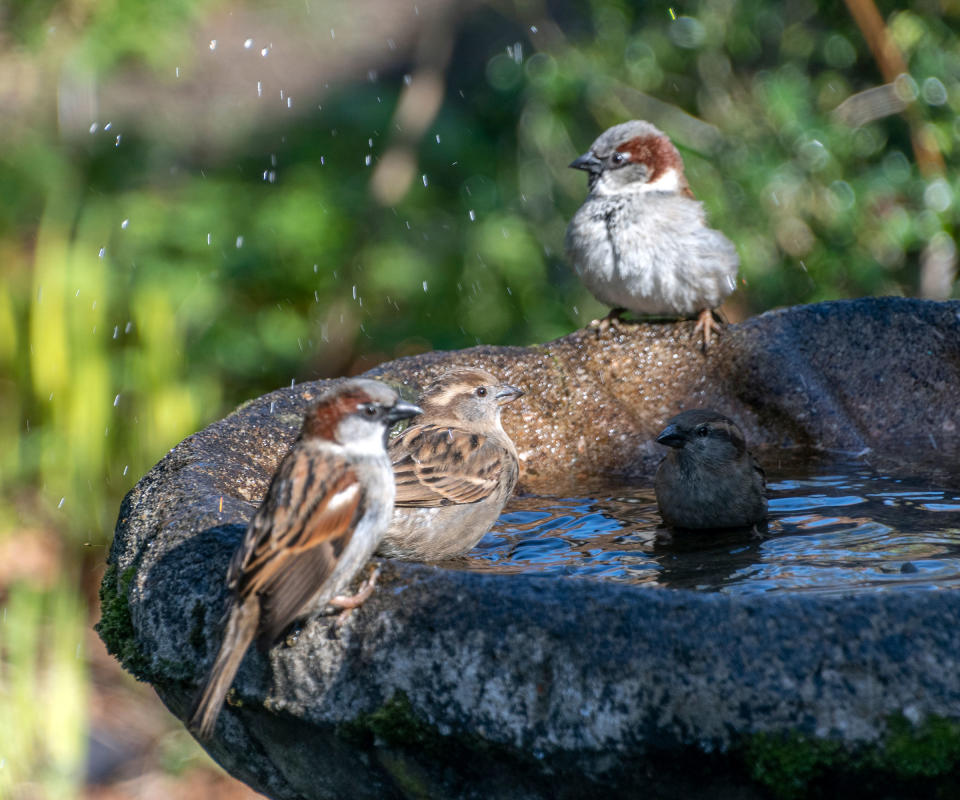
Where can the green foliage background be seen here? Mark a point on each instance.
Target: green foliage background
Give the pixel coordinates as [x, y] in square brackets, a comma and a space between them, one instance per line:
[148, 283]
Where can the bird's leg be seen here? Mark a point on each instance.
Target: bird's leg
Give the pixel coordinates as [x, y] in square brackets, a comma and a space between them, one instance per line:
[707, 323]
[612, 320]
[347, 602]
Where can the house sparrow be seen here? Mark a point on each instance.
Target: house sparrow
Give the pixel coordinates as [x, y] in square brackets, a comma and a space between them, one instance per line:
[325, 511]
[455, 468]
[640, 241]
[708, 479]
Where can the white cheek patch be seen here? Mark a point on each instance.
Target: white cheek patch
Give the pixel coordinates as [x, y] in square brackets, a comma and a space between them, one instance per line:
[669, 181]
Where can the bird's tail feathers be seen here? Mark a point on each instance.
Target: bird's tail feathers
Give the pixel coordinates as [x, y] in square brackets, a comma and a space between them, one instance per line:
[242, 622]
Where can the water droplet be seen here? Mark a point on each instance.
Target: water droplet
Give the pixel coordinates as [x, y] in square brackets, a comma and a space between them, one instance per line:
[289, 102]
[117, 143]
[265, 52]
[368, 159]
[116, 401]
[407, 79]
[103, 251]
[125, 468]
[533, 29]
[333, 34]
[314, 268]
[123, 225]
[213, 44]
[116, 333]
[108, 126]
[209, 235]
[62, 501]
[176, 71]
[438, 138]
[321, 161]
[93, 127]
[259, 89]
[472, 215]
[248, 44]
[354, 292]
[424, 180]
[424, 286]
[239, 242]
[128, 327]
[292, 382]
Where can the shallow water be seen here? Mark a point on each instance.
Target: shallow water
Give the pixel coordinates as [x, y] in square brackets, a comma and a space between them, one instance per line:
[840, 529]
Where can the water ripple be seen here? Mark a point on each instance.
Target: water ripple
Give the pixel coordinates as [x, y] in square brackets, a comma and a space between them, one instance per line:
[842, 531]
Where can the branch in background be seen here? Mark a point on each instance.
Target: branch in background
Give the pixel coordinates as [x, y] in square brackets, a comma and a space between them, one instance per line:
[417, 108]
[871, 104]
[892, 65]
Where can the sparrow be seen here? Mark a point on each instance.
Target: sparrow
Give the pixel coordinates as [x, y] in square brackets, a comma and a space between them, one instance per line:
[708, 479]
[455, 468]
[640, 241]
[324, 514]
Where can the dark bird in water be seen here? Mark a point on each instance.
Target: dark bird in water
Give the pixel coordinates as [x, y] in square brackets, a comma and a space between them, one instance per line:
[708, 479]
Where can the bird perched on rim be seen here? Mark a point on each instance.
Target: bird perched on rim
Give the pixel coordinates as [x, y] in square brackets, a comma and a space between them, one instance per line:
[324, 514]
[455, 468]
[708, 479]
[640, 241]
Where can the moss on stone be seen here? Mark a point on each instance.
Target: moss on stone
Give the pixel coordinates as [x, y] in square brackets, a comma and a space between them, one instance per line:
[395, 724]
[788, 764]
[930, 749]
[913, 758]
[116, 626]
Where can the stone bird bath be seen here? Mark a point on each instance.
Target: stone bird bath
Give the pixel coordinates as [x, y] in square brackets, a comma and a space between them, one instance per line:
[455, 684]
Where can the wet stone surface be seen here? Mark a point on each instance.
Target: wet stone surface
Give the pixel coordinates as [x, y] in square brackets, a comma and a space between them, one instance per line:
[451, 683]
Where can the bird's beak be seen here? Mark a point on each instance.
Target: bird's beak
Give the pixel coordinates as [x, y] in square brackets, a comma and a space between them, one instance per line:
[588, 162]
[402, 410]
[507, 394]
[671, 437]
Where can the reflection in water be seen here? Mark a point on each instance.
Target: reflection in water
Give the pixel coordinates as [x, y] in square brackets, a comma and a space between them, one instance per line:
[849, 530]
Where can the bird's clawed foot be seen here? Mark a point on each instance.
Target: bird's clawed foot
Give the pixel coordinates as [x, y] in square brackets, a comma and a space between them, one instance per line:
[609, 322]
[347, 602]
[707, 323]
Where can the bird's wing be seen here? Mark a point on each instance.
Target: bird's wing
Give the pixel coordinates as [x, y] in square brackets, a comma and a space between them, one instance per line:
[294, 540]
[436, 465]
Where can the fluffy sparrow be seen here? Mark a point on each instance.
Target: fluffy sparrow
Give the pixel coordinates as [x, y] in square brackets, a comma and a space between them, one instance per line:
[640, 240]
[325, 511]
[708, 479]
[455, 468]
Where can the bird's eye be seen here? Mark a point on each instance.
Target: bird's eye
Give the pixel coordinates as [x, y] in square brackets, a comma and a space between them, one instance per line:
[618, 157]
[703, 430]
[371, 411]
[481, 391]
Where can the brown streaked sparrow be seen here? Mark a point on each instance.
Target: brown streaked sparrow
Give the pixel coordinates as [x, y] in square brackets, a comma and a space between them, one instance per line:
[708, 479]
[455, 468]
[324, 514]
[640, 240]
